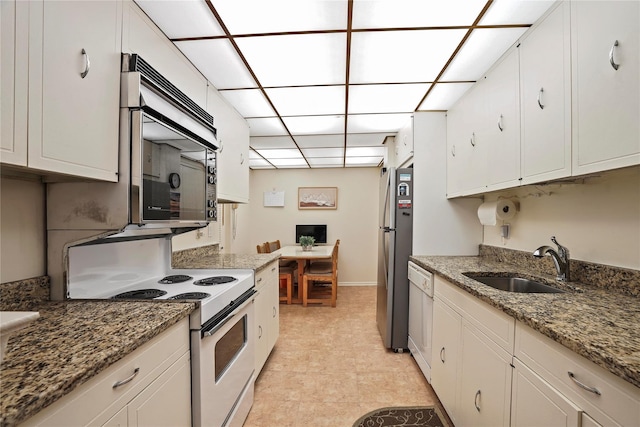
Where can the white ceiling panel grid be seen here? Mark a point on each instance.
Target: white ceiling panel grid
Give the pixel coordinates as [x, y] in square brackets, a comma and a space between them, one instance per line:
[323, 83]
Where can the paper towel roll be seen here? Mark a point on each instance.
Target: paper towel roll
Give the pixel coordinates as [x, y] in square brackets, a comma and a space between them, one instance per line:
[490, 212]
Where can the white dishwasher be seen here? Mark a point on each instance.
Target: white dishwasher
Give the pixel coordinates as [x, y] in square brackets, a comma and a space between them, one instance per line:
[421, 317]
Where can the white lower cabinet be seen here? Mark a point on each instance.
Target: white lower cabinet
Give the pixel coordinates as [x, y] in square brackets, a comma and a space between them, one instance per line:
[155, 389]
[536, 403]
[471, 372]
[485, 381]
[267, 310]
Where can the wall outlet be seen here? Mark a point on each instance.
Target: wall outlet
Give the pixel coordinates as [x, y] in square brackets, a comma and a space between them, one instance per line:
[504, 231]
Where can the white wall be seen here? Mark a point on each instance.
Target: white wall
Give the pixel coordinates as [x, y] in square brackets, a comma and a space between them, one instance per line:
[22, 229]
[354, 222]
[598, 220]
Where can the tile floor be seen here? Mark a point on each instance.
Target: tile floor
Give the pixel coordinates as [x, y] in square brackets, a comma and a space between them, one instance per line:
[329, 367]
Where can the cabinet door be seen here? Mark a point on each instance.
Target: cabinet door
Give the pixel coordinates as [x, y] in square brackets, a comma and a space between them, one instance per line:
[404, 144]
[485, 381]
[13, 82]
[262, 307]
[118, 420]
[466, 156]
[274, 308]
[502, 123]
[606, 104]
[73, 119]
[444, 365]
[233, 155]
[536, 403]
[545, 72]
[166, 401]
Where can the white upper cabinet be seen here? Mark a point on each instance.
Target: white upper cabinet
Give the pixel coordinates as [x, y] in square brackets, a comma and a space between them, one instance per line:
[233, 154]
[545, 88]
[67, 71]
[404, 144]
[140, 35]
[606, 84]
[501, 125]
[13, 145]
[466, 144]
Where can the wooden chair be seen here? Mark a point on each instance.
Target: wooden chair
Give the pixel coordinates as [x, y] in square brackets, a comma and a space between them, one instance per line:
[262, 249]
[323, 272]
[286, 274]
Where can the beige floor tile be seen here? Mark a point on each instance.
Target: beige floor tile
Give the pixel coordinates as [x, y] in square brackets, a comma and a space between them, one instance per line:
[329, 367]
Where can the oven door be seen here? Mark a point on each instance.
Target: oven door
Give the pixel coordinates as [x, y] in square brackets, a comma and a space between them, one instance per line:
[223, 362]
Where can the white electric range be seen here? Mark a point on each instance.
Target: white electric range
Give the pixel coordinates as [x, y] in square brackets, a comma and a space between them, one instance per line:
[222, 328]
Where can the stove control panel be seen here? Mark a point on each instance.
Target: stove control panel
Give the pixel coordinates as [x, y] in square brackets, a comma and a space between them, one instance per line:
[211, 182]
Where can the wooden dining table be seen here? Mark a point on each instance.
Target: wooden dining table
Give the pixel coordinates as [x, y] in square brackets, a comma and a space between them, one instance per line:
[296, 253]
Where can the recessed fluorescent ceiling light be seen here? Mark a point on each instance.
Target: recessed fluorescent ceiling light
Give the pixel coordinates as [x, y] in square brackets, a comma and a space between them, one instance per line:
[302, 101]
[182, 18]
[314, 124]
[249, 102]
[400, 98]
[377, 122]
[504, 12]
[266, 126]
[444, 95]
[280, 154]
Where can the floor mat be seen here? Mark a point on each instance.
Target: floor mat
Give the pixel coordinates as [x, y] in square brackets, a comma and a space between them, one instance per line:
[414, 416]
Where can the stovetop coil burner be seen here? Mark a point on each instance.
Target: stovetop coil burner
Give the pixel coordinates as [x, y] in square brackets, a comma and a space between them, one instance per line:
[215, 280]
[175, 278]
[191, 295]
[141, 294]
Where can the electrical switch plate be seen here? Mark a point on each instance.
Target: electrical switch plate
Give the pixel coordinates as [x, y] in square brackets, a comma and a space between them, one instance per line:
[504, 231]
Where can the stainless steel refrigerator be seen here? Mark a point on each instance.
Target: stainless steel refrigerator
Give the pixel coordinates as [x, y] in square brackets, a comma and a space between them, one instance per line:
[394, 247]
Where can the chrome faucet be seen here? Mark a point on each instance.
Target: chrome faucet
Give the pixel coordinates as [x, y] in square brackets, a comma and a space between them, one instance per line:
[560, 258]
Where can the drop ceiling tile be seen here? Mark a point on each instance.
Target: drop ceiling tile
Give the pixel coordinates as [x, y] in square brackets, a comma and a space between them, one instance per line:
[314, 125]
[249, 102]
[323, 152]
[444, 95]
[299, 162]
[397, 98]
[377, 122]
[258, 142]
[187, 18]
[207, 55]
[366, 151]
[314, 100]
[414, 13]
[266, 127]
[515, 11]
[315, 141]
[304, 59]
[363, 161]
[251, 16]
[326, 162]
[366, 139]
[282, 153]
[483, 48]
[401, 56]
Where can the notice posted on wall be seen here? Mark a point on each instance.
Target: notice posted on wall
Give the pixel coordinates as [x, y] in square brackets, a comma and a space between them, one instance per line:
[273, 199]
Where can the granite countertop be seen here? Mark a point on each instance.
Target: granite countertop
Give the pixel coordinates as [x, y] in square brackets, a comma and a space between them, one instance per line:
[71, 342]
[597, 323]
[193, 259]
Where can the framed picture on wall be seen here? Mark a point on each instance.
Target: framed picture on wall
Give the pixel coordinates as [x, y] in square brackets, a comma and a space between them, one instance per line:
[317, 197]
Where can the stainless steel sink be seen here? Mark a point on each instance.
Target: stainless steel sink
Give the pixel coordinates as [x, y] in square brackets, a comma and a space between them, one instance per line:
[513, 283]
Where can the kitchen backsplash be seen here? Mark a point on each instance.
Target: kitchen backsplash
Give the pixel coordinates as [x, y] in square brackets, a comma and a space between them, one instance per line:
[23, 295]
[184, 258]
[616, 279]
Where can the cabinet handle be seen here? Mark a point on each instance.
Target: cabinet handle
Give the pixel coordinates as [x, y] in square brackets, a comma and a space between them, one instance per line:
[260, 332]
[475, 401]
[453, 150]
[582, 385]
[273, 269]
[473, 139]
[241, 158]
[442, 354]
[126, 380]
[540, 99]
[274, 312]
[613, 48]
[221, 147]
[500, 123]
[87, 64]
[259, 280]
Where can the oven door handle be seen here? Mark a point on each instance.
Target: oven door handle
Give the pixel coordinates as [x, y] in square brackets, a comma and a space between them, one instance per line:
[213, 329]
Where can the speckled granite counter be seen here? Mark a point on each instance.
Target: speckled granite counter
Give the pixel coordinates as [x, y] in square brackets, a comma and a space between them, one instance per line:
[196, 259]
[71, 342]
[598, 323]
